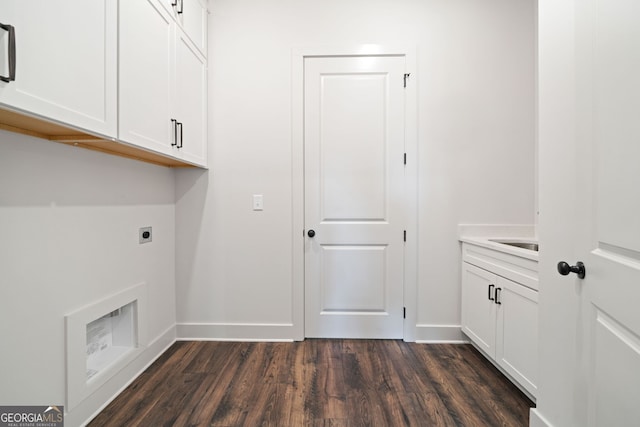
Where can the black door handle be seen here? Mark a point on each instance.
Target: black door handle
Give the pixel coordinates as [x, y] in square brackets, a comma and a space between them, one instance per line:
[564, 269]
[489, 296]
[12, 53]
[497, 296]
[311, 233]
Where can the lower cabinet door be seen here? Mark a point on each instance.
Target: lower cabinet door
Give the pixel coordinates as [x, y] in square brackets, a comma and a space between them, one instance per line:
[478, 307]
[517, 333]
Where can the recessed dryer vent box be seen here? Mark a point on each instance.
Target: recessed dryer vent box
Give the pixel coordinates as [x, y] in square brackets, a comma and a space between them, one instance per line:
[103, 338]
[109, 338]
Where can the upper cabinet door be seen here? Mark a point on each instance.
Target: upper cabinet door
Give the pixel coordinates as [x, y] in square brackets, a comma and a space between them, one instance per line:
[147, 66]
[65, 61]
[191, 16]
[191, 101]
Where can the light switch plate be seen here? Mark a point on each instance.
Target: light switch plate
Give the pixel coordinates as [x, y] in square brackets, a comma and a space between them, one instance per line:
[257, 202]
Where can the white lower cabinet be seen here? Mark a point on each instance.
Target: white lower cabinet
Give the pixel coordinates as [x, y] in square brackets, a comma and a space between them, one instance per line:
[517, 333]
[500, 316]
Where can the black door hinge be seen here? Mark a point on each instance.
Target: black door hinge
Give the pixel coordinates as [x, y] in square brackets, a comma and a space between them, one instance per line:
[405, 78]
[405, 235]
[404, 312]
[405, 158]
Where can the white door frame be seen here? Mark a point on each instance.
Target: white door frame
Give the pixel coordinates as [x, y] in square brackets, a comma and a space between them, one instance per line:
[297, 175]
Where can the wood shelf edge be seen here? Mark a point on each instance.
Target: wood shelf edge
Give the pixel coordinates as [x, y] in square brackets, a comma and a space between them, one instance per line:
[17, 122]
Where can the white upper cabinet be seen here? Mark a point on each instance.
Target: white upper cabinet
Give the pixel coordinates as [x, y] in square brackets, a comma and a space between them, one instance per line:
[65, 61]
[163, 91]
[147, 52]
[191, 16]
[191, 101]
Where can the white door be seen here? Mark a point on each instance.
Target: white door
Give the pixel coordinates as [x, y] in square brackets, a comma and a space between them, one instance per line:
[354, 210]
[611, 249]
[590, 209]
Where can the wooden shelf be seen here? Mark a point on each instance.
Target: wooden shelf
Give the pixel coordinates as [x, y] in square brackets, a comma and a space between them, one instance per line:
[28, 125]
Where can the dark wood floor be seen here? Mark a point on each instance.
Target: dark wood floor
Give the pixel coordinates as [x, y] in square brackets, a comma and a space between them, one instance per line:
[319, 383]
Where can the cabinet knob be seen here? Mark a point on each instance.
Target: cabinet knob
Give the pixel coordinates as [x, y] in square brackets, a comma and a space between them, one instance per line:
[565, 269]
[311, 233]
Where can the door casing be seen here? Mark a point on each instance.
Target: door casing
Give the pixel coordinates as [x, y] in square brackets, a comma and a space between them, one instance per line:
[411, 178]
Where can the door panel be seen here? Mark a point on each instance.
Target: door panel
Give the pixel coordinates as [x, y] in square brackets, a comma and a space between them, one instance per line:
[353, 115]
[353, 279]
[354, 180]
[617, 129]
[615, 386]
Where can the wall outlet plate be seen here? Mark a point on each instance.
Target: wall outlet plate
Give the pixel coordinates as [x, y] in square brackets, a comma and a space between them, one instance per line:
[145, 234]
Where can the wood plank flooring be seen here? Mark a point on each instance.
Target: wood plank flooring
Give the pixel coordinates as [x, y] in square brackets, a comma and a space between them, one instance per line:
[319, 383]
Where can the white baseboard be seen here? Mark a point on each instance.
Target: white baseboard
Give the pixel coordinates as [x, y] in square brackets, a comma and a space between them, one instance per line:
[537, 420]
[234, 332]
[439, 334]
[86, 410]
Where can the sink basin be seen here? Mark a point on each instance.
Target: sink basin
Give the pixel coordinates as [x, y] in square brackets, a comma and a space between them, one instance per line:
[524, 245]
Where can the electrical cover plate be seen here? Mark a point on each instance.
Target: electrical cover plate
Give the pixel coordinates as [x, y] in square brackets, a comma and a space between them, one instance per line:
[145, 234]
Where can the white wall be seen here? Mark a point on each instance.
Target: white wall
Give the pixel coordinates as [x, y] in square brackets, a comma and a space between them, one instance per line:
[69, 222]
[475, 82]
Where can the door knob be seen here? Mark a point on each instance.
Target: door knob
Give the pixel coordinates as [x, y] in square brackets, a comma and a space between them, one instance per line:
[311, 233]
[564, 269]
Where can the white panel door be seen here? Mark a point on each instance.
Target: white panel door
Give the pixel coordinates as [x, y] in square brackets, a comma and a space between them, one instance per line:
[609, 102]
[65, 61]
[354, 180]
[600, 333]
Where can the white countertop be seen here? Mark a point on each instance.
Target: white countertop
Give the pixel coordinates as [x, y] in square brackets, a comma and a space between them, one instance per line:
[487, 242]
